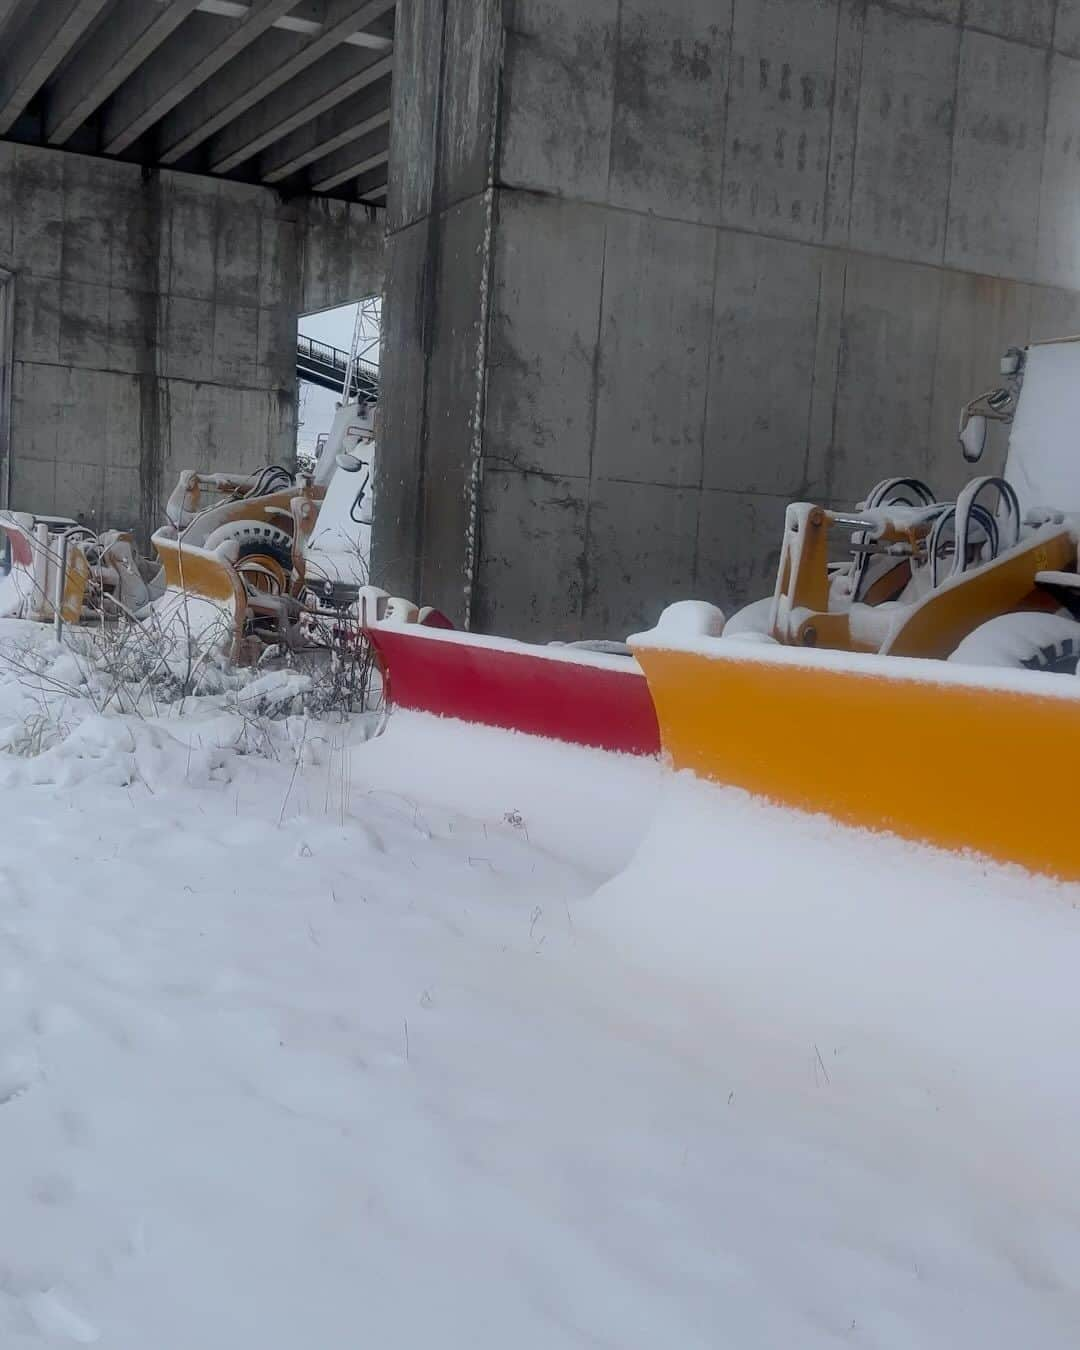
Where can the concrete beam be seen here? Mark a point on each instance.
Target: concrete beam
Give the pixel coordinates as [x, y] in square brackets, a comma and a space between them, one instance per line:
[178, 68]
[371, 186]
[342, 74]
[7, 9]
[113, 52]
[352, 160]
[216, 106]
[356, 117]
[299, 23]
[37, 48]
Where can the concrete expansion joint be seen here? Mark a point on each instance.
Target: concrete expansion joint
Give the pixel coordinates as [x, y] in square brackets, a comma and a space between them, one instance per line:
[813, 245]
[451, 203]
[128, 374]
[962, 22]
[500, 465]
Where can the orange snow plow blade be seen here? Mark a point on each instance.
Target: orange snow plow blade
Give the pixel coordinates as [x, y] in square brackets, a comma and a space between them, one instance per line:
[194, 569]
[76, 580]
[936, 753]
[195, 572]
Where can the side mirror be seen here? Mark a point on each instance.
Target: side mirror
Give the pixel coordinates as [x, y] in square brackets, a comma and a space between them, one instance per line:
[973, 432]
[347, 462]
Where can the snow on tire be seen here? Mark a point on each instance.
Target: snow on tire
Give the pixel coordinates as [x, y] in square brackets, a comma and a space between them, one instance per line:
[1031, 641]
[752, 621]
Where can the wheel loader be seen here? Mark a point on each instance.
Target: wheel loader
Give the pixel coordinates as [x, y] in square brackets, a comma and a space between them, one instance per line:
[244, 560]
[261, 552]
[924, 681]
[990, 578]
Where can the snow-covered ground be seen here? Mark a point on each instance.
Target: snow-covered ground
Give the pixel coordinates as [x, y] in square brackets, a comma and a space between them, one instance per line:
[443, 1038]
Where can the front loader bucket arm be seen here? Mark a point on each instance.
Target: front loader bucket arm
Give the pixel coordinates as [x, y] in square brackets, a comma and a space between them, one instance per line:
[936, 625]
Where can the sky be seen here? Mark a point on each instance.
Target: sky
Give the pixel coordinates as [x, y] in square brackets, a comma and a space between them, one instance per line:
[317, 406]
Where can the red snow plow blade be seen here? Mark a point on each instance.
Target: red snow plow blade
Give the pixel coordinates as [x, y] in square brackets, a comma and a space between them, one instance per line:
[583, 698]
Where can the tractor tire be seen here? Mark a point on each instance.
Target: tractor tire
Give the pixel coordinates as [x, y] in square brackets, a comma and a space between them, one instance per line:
[752, 621]
[1030, 641]
[267, 548]
[253, 536]
[264, 567]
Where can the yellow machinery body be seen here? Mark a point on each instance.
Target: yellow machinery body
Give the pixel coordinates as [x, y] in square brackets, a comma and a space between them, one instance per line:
[242, 590]
[931, 626]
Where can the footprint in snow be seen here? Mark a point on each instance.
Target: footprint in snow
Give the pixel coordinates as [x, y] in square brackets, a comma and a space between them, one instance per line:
[53, 1317]
[13, 981]
[17, 1073]
[73, 1126]
[12, 1091]
[55, 1189]
[372, 837]
[53, 1019]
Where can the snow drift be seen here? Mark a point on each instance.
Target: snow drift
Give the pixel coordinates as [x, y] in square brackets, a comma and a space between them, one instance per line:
[455, 1038]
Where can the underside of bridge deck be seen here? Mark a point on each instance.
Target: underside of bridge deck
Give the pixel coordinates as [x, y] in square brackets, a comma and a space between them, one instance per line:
[293, 94]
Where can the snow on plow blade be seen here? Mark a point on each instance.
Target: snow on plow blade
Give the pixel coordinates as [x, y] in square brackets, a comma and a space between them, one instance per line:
[582, 698]
[203, 592]
[961, 758]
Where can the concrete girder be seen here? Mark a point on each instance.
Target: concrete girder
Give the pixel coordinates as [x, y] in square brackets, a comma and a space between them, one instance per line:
[196, 120]
[342, 75]
[371, 187]
[7, 10]
[112, 53]
[36, 49]
[351, 161]
[364, 112]
[307, 24]
[179, 67]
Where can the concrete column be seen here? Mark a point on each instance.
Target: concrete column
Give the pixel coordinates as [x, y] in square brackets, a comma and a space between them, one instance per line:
[7, 368]
[654, 270]
[438, 260]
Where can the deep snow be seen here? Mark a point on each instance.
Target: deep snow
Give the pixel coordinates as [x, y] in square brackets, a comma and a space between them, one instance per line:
[446, 1038]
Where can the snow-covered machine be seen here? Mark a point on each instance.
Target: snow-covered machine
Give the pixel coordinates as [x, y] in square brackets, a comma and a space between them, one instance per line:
[803, 698]
[248, 558]
[53, 567]
[989, 578]
[241, 561]
[337, 550]
[260, 549]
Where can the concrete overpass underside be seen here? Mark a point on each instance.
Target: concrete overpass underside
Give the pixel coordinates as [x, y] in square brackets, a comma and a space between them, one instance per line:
[179, 180]
[291, 94]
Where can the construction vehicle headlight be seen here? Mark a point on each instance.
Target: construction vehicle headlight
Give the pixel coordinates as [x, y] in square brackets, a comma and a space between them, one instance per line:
[973, 431]
[1012, 361]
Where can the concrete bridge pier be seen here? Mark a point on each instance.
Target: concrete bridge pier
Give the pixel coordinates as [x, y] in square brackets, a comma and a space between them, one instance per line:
[654, 270]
